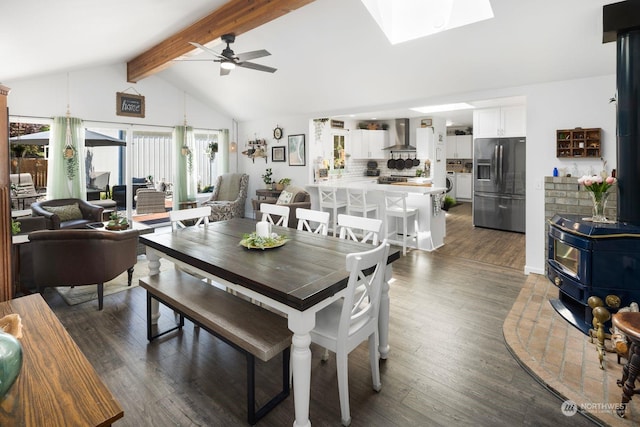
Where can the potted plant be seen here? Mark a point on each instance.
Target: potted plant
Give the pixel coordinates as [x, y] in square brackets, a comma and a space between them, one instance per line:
[15, 227]
[266, 178]
[282, 184]
[448, 202]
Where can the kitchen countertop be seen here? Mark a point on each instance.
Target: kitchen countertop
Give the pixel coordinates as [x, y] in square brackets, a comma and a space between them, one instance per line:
[372, 185]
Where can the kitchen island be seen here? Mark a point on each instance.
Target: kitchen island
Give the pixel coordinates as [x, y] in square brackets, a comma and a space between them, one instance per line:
[431, 219]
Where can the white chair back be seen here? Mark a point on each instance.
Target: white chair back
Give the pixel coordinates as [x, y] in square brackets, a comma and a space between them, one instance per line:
[269, 209]
[307, 216]
[395, 201]
[362, 299]
[357, 202]
[370, 227]
[328, 196]
[200, 215]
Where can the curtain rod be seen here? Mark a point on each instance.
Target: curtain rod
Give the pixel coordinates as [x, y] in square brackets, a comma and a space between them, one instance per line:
[112, 123]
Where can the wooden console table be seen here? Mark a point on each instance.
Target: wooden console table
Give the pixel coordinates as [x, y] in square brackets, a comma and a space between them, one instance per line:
[264, 193]
[57, 385]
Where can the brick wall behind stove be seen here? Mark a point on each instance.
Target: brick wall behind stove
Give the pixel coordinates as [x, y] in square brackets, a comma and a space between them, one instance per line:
[564, 195]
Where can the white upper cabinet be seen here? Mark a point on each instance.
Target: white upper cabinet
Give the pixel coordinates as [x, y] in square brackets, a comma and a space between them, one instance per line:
[369, 144]
[500, 122]
[459, 147]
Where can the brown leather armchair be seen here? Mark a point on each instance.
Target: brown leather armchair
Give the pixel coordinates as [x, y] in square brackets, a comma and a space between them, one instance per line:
[82, 257]
[66, 215]
[300, 199]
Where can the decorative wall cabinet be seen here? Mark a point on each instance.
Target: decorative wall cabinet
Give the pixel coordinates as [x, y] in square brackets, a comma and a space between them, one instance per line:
[500, 122]
[369, 144]
[578, 142]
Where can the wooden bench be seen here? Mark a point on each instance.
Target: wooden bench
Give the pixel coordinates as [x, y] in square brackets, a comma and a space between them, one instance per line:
[250, 329]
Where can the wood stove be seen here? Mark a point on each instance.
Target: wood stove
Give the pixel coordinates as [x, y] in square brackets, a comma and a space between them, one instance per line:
[592, 259]
[596, 259]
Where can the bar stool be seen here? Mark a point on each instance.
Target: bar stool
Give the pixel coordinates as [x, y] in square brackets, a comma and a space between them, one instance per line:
[329, 200]
[357, 203]
[396, 207]
[629, 324]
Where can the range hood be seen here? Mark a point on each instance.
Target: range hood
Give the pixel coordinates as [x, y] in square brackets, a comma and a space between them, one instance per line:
[402, 132]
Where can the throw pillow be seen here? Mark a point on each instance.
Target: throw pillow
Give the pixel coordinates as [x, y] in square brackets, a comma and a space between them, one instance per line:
[285, 198]
[65, 212]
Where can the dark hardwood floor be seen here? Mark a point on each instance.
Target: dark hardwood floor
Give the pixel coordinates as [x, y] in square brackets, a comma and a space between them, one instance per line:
[448, 364]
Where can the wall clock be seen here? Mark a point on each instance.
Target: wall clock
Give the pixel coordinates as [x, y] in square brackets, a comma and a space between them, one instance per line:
[277, 132]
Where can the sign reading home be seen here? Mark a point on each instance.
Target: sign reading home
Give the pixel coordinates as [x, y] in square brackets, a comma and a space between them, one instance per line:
[129, 105]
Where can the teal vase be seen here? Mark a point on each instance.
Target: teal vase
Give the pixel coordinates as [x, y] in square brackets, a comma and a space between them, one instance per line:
[10, 361]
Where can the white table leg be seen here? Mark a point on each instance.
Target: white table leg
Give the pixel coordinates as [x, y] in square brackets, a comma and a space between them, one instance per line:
[154, 268]
[300, 324]
[383, 317]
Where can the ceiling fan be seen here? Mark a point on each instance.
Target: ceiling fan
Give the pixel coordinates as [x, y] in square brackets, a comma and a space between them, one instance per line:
[229, 60]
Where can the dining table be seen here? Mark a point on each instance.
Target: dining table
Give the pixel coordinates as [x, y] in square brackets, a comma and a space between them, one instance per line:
[299, 278]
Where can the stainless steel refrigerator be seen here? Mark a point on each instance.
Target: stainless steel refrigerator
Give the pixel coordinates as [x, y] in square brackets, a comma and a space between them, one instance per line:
[499, 183]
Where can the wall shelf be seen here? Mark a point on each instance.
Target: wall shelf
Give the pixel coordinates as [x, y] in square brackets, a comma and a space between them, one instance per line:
[578, 142]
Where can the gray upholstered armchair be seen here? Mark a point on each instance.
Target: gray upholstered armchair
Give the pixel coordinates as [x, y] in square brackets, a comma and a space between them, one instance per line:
[67, 213]
[228, 197]
[82, 257]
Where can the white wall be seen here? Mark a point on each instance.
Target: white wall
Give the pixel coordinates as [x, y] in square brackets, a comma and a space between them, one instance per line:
[263, 129]
[562, 105]
[91, 96]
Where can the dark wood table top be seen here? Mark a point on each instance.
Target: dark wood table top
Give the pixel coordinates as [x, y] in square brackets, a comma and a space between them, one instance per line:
[306, 270]
[57, 385]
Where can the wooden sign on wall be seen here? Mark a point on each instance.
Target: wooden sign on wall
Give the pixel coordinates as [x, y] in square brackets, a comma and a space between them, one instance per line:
[129, 105]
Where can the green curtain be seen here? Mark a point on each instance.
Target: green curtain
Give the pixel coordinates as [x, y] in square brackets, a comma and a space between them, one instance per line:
[66, 173]
[184, 182]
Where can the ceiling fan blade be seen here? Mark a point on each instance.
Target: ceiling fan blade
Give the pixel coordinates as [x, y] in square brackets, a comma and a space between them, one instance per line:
[252, 55]
[206, 49]
[224, 71]
[255, 66]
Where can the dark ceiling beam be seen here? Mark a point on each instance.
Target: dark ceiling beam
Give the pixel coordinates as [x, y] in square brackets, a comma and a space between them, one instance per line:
[236, 16]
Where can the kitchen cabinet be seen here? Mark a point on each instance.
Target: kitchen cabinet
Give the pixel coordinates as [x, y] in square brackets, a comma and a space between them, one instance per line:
[464, 188]
[369, 144]
[500, 122]
[459, 147]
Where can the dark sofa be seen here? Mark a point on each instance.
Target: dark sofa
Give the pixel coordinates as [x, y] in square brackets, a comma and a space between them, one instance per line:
[67, 213]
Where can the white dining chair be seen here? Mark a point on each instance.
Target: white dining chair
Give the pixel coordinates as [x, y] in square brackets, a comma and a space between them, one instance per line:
[270, 210]
[396, 207]
[357, 203]
[308, 217]
[370, 228]
[199, 215]
[343, 325]
[329, 200]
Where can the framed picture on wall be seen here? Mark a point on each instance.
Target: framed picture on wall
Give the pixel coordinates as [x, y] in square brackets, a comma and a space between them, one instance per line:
[278, 154]
[297, 153]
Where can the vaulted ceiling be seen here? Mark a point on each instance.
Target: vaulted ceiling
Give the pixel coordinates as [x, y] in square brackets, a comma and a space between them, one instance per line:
[331, 56]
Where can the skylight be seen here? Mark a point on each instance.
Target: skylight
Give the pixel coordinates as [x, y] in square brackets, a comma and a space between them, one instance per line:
[403, 20]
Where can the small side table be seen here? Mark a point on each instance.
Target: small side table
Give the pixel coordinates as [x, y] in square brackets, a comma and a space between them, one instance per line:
[264, 193]
[188, 204]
